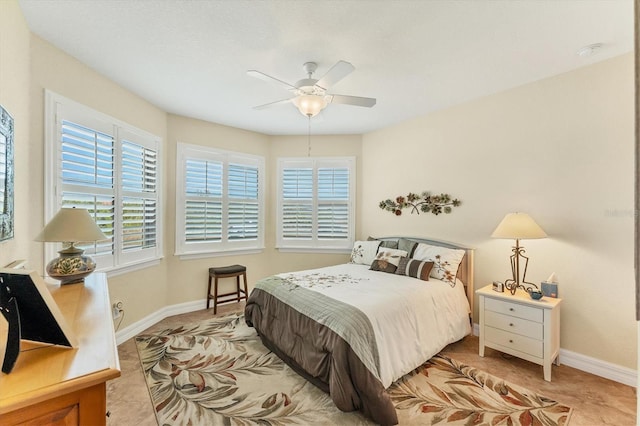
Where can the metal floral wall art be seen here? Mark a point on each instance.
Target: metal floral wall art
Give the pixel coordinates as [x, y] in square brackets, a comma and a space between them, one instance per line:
[425, 203]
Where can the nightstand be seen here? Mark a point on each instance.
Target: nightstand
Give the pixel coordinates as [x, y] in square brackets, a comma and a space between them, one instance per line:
[520, 326]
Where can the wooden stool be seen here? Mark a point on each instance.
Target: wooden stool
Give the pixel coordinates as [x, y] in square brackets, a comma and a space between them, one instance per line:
[226, 272]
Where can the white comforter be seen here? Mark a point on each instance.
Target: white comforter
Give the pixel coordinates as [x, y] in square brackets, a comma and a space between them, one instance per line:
[412, 319]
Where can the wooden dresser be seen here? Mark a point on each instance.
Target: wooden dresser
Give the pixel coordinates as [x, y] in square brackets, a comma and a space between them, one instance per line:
[52, 385]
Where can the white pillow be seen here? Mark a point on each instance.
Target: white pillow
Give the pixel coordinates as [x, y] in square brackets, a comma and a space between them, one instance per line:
[445, 261]
[364, 252]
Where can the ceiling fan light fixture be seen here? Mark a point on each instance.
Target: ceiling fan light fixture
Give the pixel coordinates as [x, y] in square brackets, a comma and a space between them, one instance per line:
[310, 95]
[310, 105]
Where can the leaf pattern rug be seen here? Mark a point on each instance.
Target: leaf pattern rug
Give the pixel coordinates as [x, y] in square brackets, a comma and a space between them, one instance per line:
[218, 373]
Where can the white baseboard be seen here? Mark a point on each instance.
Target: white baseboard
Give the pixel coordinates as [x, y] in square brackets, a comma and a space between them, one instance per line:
[617, 373]
[136, 328]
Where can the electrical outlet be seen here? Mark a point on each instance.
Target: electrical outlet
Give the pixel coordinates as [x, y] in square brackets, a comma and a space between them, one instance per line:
[118, 308]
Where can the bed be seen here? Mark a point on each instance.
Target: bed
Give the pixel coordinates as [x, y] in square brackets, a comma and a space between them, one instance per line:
[353, 329]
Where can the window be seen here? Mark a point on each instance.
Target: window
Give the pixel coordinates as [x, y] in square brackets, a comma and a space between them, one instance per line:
[316, 203]
[219, 203]
[111, 169]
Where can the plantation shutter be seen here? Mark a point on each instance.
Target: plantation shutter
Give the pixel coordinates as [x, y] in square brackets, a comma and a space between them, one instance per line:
[203, 210]
[297, 203]
[315, 205]
[87, 173]
[243, 202]
[219, 201]
[139, 201]
[87, 156]
[110, 168]
[333, 203]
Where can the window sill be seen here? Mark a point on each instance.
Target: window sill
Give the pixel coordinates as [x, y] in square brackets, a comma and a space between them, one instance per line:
[326, 250]
[206, 254]
[120, 270]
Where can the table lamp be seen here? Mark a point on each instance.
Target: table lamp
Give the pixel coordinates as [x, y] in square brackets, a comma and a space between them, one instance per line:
[518, 226]
[71, 226]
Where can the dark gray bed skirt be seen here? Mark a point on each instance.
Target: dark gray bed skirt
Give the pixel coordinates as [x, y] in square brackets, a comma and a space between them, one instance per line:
[319, 355]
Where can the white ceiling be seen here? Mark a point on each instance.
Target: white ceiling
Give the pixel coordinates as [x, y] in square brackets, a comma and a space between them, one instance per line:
[190, 57]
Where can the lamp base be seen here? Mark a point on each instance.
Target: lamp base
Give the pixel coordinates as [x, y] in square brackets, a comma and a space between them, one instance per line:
[514, 283]
[71, 267]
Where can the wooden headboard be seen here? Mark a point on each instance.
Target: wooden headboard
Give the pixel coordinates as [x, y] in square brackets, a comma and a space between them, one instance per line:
[465, 272]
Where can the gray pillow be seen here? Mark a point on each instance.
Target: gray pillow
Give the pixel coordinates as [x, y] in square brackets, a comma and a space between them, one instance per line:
[385, 243]
[407, 245]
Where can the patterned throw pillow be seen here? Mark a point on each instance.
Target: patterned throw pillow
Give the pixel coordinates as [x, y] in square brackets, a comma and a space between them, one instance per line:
[414, 268]
[364, 252]
[387, 260]
[445, 261]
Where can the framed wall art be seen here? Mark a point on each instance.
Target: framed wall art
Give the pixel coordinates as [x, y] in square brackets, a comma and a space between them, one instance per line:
[6, 175]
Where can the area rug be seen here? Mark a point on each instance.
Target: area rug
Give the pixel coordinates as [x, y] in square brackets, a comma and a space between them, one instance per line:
[218, 373]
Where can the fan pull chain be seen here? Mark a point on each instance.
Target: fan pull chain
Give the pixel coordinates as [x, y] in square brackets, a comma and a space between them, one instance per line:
[309, 138]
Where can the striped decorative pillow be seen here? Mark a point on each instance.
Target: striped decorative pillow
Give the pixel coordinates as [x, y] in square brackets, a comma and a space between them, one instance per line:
[446, 261]
[414, 268]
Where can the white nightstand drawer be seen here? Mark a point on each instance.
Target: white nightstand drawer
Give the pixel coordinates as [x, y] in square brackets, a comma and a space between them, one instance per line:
[514, 309]
[514, 341]
[516, 325]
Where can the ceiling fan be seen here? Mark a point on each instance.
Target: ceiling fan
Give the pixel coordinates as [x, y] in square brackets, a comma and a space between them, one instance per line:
[311, 95]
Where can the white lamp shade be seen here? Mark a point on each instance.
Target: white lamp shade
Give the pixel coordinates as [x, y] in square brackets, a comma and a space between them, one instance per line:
[310, 105]
[518, 226]
[71, 225]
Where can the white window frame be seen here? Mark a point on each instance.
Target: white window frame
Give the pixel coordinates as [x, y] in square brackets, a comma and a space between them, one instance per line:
[59, 108]
[314, 244]
[225, 247]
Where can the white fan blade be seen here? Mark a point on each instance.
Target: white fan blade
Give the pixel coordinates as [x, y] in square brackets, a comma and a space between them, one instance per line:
[337, 72]
[269, 79]
[270, 104]
[351, 100]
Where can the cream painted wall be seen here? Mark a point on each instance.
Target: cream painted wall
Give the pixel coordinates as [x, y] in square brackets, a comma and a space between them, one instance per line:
[143, 292]
[14, 97]
[560, 149]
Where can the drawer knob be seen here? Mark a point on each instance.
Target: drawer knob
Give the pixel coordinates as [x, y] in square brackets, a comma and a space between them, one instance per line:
[511, 309]
[510, 324]
[510, 341]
